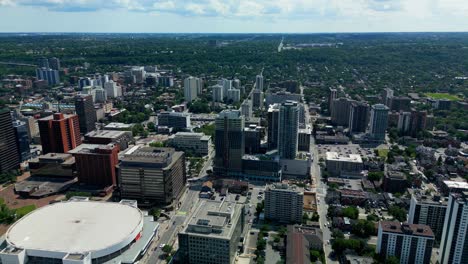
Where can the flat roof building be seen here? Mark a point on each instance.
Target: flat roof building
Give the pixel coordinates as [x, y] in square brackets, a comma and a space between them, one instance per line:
[119, 126]
[410, 243]
[152, 175]
[344, 166]
[196, 143]
[121, 138]
[213, 233]
[428, 210]
[284, 203]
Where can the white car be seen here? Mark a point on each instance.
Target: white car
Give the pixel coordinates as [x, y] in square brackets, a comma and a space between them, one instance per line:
[162, 245]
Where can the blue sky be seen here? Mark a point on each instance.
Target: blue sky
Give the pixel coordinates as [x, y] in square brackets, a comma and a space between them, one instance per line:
[233, 16]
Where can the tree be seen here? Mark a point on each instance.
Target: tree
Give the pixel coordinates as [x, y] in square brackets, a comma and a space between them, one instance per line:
[314, 255]
[305, 218]
[167, 249]
[259, 208]
[375, 175]
[363, 228]
[351, 212]
[337, 233]
[392, 260]
[151, 127]
[398, 213]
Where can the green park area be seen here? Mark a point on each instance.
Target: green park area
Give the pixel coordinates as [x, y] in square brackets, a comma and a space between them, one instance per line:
[9, 216]
[443, 96]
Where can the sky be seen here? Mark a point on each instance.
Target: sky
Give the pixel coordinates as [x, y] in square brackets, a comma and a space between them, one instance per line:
[233, 16]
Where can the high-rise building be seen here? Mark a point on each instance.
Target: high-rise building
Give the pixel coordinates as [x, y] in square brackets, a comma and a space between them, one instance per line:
[51, 76]
[273, 126]
[387, 95]
[410, 243]
[22, 139]
[259, 82]
[454, 242]
[229, 143]
[59, 133]
[284, 203]
[166, 81]
[84, 107]
[54, 63]
[303, 140]
[404, 122]
[212, 234]
[257, 99]
[43, 63]
[358, 117]
[378, 121]
[252, 137]
[192, 87]
[428, 210]
[341, 109]
[332, 95]
[9, 157]
[152, 175]
[233, 95]
[96, 164]
[400, 103]
[288, 130]
[218, 94]
[246, 109]
[100, 95]
[227, 85]
[236, 84]
[112, 89]
[418, 122]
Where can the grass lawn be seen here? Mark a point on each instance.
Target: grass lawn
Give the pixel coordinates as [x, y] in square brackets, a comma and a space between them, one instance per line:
[22, 211]
[383, 153]
[443, 96]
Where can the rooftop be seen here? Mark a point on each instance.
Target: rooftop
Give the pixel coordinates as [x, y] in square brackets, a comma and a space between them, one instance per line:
[76, 227]
[105, 133]
[350, 158]
[90, 148]
[140, 154]
[456, 184]
[119, 125]
[214, 218]
[406, 229]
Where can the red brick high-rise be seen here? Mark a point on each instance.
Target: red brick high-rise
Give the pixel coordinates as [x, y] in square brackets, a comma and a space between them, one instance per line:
[59, 133]
[95, 164]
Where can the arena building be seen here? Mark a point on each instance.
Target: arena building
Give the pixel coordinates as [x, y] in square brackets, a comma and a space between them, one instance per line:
[80, 231]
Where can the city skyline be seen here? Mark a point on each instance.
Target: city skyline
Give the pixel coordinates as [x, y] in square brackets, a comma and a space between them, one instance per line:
[242, 16]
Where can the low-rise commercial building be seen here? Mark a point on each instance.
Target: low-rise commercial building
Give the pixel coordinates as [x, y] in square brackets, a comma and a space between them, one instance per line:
[174, 119]
[121, 138]
[341, 166]
[195, 143]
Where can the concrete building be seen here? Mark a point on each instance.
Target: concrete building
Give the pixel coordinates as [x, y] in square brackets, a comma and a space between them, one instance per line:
[394, 181]
[227, 85]
[284, 203]
[100, 95]
[80, 231]
[428, 210]
[288, 130]
[246, 109]
[196, 143]
[121, 138]
[386, 96]
[166, 81]
[418, 122]
[259, 82]
[54, 63]
[341, 166]
[358, 117]
[404, 122]
[84, 107]
[257, 99]
[454, 242]
[252, 137]
[233, 95]
[261, 168]
[400, 103]
[152, 175]
[410, 243]
[113, 90]
[59, 133]
[273, 126]
[300, 240]
[378, 122]
[119, 126]
[218, 95]
[213, 233]
[174, 119]
[229, 143]
[96, 164]
[192, 88]
[9, 158]
[341, 111]
[51, 76]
